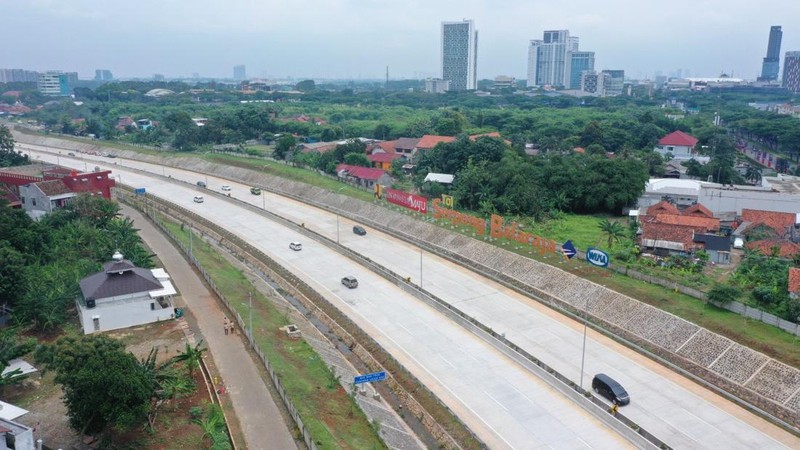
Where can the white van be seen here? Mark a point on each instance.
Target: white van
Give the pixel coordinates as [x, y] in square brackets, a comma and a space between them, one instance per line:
[198, 199]
[296, 246]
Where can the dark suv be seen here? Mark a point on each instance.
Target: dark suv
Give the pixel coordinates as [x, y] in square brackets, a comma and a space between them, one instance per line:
[610, 389]
[359, 230]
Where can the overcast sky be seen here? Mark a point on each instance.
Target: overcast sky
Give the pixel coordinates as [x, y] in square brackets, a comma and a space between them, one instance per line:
[359, 38]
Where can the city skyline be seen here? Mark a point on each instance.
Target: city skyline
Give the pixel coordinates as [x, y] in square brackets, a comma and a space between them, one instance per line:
[349, 39]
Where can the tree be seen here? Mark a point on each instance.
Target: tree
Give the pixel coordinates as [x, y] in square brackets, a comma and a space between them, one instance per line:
[8, 157]
[191, 356]
[723, 293]
[357, 159]
[284, 146]
[306, 86]
[103, 384]
[613, 231]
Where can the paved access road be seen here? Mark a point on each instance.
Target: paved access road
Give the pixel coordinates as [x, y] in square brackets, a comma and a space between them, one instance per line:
[673, 408]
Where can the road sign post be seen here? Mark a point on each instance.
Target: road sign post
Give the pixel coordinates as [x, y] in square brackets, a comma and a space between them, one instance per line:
[370, 377]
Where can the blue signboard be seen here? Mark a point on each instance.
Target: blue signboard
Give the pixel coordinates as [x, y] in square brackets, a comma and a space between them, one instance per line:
[597, 257]
[139, 191]
[568, 249]
[370, 377]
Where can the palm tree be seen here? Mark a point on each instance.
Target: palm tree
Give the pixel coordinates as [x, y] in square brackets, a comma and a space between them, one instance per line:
[753, 174]
[613, 231]
[191, 356]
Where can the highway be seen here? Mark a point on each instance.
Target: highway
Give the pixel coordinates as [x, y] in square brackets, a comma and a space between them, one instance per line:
[505, 405]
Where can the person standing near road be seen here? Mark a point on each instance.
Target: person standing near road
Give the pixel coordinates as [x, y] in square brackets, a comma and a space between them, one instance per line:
[226, 324]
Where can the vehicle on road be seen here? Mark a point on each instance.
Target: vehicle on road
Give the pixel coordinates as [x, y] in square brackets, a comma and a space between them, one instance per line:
[111, 155]
[198, 199]
[255, 191]
[359, 230]
[202, 184]
[606, 386]
[350, 282]
[70, 154]
[296, 246]
[225, 187]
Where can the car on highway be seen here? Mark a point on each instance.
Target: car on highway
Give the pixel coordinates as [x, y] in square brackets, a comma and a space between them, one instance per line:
[350, 282]
[70, 154]
[296, 246]
[359, 230]
[606, 386]
[225, 187]
[202, 184]
[255, 191]
[198, 199]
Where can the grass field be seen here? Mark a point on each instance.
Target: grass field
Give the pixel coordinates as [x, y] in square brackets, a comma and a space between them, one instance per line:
[331, 415]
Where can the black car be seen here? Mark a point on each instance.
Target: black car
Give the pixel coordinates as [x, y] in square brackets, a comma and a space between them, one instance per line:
[359, 230]
[608, 387]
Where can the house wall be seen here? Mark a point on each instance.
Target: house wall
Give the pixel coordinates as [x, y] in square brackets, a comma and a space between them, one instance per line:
[33, 199]
[677, 151]
[721, 201]
[122, 312]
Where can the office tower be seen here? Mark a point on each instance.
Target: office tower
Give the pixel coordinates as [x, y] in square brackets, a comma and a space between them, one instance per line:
[103, 75]
[771, 64]
[613, 82]
[791, 71]
[239, 73]
[54, 83]
[18, 75]
[460, 55]
[550, 60]
[580, 62]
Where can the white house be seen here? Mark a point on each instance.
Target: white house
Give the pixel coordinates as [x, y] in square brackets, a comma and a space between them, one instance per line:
[680, 145]
[44, 197]
[123, 295]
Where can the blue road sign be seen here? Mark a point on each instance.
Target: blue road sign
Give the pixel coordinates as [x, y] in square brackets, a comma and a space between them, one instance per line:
[139, 191]
[370, 377]
[568, 249]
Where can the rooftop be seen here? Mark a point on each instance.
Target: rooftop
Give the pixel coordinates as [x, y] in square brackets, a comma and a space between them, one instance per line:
[678, 138]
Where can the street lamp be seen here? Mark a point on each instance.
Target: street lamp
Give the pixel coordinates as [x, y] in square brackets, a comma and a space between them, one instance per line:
[250, 317]
[583, 352]
[420, 268]
[264, 200]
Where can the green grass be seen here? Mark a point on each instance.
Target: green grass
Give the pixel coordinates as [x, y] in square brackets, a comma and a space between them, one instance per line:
[583, 230]
[331, 415]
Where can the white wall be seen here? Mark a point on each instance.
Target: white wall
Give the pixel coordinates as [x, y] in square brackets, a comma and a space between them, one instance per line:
[122, 313]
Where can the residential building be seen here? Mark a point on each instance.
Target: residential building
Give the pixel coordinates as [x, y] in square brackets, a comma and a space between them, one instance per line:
[678, 145]
[239, 73]
[366, 177]
[791, 71]
[437, 86]
[44, 197]
[771, 64]
[383, 161]
[460, 55]
[504, 81]
[591, 82]
[103, 75]
[54, 83]
[613, 83]
[667, 231]
[581, 62]
[123, 295]
[406, 146]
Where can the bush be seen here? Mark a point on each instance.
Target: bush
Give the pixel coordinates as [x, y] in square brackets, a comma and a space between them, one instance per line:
[723, 293]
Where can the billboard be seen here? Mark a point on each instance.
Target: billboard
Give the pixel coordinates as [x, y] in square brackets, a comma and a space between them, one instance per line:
[410, 201]
[597, 257]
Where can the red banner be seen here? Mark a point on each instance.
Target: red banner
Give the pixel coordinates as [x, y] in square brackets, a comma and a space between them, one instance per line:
[410, 201]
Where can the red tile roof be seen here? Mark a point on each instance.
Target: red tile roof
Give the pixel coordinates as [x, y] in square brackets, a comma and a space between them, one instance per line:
[383, 157]
[386, 146]
[364, 173]
[678, 138]
[672, 233]
[786, 249]
[689, 221]
[579, 150]
[778, 221]
[794, 279]
[662, 207]
[53, 187]
[429, 141]
[698, 210]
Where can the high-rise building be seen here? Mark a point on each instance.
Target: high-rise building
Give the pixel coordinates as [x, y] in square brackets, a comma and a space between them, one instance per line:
[54, 83]
[550, 60]
[103, 75]
[613, 82]
[791, 71]
[460, 55]
[771, 65]
[580, 62]
[18, 75]
[239, 73]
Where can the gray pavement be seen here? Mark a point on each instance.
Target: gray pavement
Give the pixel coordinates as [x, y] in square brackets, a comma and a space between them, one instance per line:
[259, 417]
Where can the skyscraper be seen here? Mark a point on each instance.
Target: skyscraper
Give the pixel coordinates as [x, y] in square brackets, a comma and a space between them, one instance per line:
[550, 60]
[460, 54]
[580, 62]
[103, 75]
[791, 71]
[54, 83]
[239, 73]
[771, 65]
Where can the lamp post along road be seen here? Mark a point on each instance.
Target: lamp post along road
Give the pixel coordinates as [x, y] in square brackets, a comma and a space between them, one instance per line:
[585, 319]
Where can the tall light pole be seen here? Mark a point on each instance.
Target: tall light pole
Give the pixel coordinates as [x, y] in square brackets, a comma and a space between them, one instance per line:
[420, 267]
[585, 319]
[191, 254]
[337, 228]
[264, 200]
[250, 318]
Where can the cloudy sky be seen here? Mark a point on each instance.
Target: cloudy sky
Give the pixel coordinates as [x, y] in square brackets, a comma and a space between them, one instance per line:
[359, 38]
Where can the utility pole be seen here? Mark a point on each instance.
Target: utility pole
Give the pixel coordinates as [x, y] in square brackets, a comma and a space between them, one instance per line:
[250, 319]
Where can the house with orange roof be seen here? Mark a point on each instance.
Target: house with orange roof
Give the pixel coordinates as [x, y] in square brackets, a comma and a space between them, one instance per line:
[794, 282]
[666, 231]
[781, 222]
[680, 146]
[775, 247]
[383, 160]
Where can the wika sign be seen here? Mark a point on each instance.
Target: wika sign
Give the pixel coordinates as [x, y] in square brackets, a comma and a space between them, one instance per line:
[597, 257]
[410, 201]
